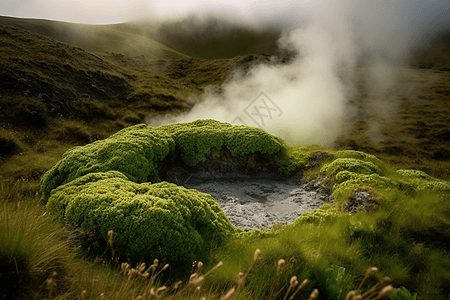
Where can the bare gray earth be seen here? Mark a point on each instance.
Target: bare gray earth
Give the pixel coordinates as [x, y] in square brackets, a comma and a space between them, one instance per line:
[250, 200]
[260, 202]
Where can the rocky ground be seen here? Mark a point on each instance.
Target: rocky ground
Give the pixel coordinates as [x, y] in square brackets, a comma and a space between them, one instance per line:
[249, 199]
[261, 202]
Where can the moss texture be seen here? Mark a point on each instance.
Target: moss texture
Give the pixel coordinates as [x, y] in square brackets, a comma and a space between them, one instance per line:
[354, 170]
[136, 151]
[107, 185]
[160, 220]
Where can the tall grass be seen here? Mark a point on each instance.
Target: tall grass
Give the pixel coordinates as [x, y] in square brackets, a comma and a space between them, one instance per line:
[32, 250]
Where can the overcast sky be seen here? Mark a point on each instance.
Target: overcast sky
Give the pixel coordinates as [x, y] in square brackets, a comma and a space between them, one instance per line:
[424, 12]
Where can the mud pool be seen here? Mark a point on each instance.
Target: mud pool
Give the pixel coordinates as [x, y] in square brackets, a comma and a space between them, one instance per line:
[260, 202]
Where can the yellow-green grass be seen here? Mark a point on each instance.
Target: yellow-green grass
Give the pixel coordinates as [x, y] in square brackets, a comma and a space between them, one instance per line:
[96, 38]
[31, 249]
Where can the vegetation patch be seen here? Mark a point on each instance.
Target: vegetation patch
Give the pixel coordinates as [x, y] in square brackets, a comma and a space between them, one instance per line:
[149, 220]
[357, 171]
[137, 150]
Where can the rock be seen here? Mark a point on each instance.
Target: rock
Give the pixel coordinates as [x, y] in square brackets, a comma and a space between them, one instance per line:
[360, 201]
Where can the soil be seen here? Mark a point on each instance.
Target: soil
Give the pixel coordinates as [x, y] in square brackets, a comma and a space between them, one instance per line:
[259, 202]
[249, 199]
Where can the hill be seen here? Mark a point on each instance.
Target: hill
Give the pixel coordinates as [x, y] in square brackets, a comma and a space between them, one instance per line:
[96, 38]
[64, 87]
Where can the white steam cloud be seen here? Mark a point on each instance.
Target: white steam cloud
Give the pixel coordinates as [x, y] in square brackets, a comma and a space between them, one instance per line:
[307, 97]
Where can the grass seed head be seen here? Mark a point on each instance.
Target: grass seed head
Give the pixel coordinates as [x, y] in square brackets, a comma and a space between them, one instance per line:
[371, 271]
[199, 266]
[177, 284]
[241, 278]
[257, 253]
[294, 281]
[280, 265]
[161, 290]
[350, 295]
[229, 294]
[314, 294]
[385, 291]
[303, 284]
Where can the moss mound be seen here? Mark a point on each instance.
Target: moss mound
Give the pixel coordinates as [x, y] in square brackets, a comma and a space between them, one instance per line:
[106, 186]
[354, 170]
[137, 150]
[159, 220]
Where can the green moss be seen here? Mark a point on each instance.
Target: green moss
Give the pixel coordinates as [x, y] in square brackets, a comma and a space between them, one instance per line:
[136, 151]
[149, 221]
[420, 181]
[357, 155]
[317, 216]
[352, 165]
[354, 170]
[349, 182]
[415, 174]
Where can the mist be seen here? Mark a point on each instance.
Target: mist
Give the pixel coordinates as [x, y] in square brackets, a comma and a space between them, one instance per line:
[306, 99]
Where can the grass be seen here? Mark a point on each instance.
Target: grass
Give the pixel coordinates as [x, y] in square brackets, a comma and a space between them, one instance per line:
[406, 238]
[32, 249]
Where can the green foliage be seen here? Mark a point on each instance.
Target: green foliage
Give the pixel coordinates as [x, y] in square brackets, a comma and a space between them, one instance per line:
[415, 174]
[317, 216]
[352, 165]
[349, 182]
[354, 170]
[420, 181]
[333, 281]
[402, 294]
[357, 155]
[288, 168]
[31, 249]
[149, 220]
[298, 157]
[137, 150]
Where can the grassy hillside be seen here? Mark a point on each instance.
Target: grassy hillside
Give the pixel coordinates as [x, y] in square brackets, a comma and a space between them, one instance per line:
[96, 38]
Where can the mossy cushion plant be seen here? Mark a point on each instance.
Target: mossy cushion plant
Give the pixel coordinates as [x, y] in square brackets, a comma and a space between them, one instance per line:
[137, 150]
[160, 220]
[354, 170]
[110, 185]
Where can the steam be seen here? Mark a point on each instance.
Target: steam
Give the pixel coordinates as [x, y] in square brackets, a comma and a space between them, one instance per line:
[307, 99]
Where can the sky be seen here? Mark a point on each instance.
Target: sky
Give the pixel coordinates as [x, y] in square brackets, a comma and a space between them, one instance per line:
[425, 13]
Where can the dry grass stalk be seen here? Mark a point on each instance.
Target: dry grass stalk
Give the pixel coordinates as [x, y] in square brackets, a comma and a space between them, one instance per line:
[378, 291]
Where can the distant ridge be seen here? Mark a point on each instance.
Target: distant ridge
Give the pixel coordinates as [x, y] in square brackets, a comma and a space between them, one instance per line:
[96, 38]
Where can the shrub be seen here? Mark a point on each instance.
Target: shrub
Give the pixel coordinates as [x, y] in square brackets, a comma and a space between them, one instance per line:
[149, 220]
